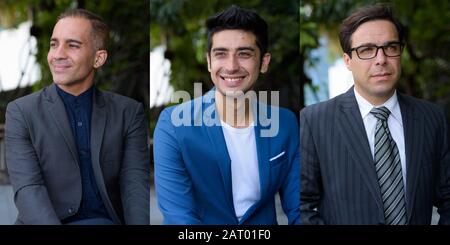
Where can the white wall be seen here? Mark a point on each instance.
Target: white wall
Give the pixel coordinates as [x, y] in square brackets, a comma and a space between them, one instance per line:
[340, 79]
[15, 48]
[160, 89]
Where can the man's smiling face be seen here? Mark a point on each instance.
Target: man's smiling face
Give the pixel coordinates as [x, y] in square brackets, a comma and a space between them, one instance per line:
[235, 61]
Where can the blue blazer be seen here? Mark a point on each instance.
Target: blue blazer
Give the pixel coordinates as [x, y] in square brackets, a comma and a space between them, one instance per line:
[193, 168]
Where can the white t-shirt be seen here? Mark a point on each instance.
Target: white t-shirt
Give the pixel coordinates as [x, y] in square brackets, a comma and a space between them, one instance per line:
[241, 145]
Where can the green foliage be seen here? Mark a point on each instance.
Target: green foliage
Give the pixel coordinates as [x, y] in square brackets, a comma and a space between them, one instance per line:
[12, 13]
[127, 68]
[427, 48]
[425, 62]
[180, 26]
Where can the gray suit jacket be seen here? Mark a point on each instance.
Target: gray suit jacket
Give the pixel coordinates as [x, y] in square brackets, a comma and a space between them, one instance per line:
[43, 165]
[338, 179]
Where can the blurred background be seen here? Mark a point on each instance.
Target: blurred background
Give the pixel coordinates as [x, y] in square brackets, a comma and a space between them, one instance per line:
[425, 60]
[25, 30]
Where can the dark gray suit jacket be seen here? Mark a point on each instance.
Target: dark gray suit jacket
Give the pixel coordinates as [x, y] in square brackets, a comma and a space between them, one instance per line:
[338, 179]
[43, 165]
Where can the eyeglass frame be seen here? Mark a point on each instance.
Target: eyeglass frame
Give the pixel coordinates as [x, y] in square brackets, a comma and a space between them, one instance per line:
[402, 45]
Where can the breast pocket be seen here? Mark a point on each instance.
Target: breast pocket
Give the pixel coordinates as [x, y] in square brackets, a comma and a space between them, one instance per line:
[278, 159]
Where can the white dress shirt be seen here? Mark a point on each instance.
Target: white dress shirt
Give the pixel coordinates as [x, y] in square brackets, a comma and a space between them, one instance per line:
[395, 125]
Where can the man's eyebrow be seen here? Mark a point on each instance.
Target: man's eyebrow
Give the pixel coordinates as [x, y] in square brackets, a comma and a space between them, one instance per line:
[219, 49]
[53, 39]
[238, 49]
[246, 49]
[392, 42]
[373, 44]
[74, 41]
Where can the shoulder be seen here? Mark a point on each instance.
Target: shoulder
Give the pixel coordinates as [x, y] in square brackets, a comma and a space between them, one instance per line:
[417, 103]
[29, 104]
[322, 108]
[278, 121]
[185, 107]
[199, 109]
[287, 114]
[120, 107]
[119, 101]
[421, 106]
[288, 120]
[29, 100]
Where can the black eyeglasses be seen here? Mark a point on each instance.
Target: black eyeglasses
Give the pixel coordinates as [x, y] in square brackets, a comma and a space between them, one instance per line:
[369, 51]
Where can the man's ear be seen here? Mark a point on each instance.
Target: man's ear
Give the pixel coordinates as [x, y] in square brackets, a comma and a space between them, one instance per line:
[347, 61]
[208, 58]
[100, 58]
[265, 63]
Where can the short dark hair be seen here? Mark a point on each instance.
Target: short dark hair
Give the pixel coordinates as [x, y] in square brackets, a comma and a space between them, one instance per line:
[368, 13]
[236, 18]
[100, 30]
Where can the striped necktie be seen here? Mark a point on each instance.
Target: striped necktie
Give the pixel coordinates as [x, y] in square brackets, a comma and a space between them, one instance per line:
[389, 170]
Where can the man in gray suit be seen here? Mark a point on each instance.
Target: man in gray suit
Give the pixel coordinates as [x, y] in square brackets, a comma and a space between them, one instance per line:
[374, 155]
[75, 154]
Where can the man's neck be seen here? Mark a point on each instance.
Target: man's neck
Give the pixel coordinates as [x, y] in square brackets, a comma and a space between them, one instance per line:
[76, 89]
[234, 111]
[375, 100]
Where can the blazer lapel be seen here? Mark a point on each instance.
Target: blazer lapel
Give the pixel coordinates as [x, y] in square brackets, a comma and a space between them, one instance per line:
[413, 132]
[98, 125]
[263, 151]
[355, 138]
[218, 144]
[59, 114]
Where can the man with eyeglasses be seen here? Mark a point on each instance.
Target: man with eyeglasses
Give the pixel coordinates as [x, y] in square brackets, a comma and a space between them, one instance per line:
[374, 155]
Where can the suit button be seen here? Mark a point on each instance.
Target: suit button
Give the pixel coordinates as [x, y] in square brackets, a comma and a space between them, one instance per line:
[70, 210]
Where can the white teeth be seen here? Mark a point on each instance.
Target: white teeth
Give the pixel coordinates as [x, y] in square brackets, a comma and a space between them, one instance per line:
[228, 79]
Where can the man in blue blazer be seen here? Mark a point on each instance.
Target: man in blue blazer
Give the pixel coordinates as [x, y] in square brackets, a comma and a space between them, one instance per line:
[222, 158]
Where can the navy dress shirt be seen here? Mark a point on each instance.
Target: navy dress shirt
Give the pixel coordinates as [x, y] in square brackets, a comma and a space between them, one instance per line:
[79, 110]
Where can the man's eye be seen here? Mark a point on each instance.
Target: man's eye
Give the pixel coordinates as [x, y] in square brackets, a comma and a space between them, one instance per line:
[73, 46]
[245, 55]
[52, 45]
[393, 47]
[366, 49]
[219, 54]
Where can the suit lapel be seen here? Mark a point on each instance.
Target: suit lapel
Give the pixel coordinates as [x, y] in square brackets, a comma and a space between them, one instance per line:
[98, 125]
[355, 138]
[59, 114]
[218, 144]
[263, 151]
[413, 132]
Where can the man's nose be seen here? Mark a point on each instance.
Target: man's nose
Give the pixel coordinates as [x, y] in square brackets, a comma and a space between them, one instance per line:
[232, 64]
[380, 58]
[59, 52]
